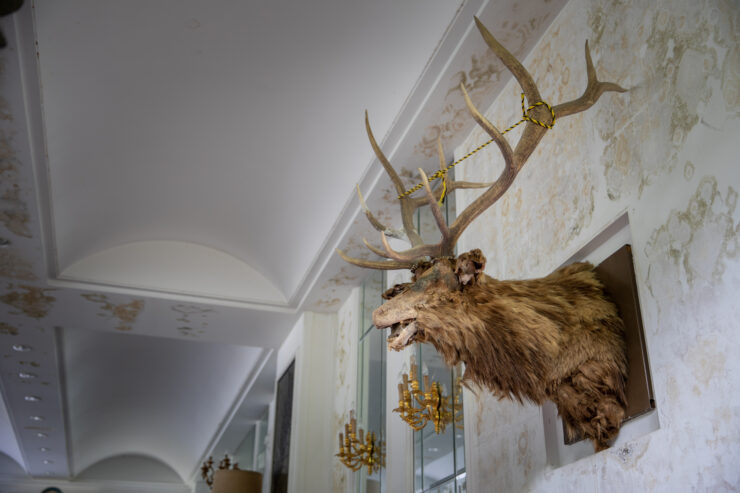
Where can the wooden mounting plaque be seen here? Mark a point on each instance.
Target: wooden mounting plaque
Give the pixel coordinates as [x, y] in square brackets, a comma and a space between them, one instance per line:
[618, 275]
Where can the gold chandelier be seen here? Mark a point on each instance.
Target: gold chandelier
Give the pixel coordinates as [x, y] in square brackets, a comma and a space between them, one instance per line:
[433, 405]
[357, 449]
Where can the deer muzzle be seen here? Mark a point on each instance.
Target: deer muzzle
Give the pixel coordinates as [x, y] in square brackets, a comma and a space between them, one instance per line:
[400, 315]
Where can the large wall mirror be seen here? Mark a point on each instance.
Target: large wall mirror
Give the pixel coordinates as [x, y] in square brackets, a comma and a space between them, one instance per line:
[439, 458]
[371, 379]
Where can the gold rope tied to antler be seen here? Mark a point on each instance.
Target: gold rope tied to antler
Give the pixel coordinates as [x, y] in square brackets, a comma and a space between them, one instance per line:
[443, 172]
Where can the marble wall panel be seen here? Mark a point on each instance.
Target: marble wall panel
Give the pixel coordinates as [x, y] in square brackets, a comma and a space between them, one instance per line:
[666, 152]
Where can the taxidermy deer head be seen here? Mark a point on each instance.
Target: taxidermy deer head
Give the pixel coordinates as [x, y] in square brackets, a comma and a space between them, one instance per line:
[556, 338]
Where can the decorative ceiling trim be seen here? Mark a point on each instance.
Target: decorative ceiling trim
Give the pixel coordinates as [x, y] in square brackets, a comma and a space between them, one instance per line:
[25, 35]
[171, 296]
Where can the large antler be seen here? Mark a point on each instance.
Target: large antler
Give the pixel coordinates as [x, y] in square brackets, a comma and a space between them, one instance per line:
[513, 159]
[409, 205]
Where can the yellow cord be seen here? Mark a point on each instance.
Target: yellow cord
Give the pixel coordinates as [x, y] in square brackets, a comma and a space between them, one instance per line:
[443, 173]
[444, 189]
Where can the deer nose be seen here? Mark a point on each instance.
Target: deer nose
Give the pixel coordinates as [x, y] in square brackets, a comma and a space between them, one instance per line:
[394, 311]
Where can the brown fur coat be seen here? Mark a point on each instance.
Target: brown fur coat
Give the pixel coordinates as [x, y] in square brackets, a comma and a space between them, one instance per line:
[554, 338]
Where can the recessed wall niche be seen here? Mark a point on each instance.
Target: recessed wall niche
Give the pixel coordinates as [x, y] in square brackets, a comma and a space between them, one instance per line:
[610, 251]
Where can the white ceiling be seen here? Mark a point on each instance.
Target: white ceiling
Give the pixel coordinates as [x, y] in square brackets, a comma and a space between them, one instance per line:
[233, 125]
[175, 177]
[104, 406]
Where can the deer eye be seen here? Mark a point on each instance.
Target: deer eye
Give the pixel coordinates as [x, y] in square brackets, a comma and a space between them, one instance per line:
[394, 291]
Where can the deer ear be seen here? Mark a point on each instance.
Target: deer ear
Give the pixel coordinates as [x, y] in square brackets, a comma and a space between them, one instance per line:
[469, 266]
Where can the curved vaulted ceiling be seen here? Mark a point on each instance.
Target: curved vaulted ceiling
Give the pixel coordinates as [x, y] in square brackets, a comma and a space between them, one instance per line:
[106, 417]
[230, 124]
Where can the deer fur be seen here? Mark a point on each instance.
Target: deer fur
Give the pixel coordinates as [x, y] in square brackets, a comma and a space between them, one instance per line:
[556, 338]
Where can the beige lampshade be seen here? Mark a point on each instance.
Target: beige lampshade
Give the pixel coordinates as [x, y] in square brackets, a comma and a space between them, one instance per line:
[235, 481]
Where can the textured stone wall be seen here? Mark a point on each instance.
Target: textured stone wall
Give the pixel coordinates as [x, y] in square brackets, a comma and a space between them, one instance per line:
[666, 152]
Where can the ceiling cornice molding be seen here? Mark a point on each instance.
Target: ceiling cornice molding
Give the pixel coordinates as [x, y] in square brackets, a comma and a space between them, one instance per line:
[60, 282]
[24, 25]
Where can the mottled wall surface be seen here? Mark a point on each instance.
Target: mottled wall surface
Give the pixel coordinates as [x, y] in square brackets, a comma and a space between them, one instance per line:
[666, 152]
[345, 382]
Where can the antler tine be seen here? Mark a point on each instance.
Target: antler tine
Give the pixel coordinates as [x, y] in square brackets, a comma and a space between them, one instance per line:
[451, 185]
[445, 248]
[407, 210]
[375, 264]
[393, 233]
[411, 255]
[406, 256]
[594, 90]
[532, 132]
[375, 250]
[441, 153]
[495, 134]
[381, 157]
[495, 191]
[515, 67]
[399, 260]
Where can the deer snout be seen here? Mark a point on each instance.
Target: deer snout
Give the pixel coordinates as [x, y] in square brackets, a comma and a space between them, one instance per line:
[393, 312]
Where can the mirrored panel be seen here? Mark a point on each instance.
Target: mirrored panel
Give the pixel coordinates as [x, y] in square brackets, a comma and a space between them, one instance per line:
[372, 289]
[371, 381]
[439, 458]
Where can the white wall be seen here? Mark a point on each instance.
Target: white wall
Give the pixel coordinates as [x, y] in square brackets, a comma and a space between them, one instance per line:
[311, 343]
[345, 383]
[400, 437]
[666, 152]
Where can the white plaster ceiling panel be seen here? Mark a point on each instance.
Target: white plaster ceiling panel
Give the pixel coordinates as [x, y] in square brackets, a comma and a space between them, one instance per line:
[154, 316]
[234, 125]
[176, 267]
[130, 468]
[109, 376]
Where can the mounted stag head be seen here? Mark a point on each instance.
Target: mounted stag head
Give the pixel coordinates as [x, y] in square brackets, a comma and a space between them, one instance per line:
[556, 338]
